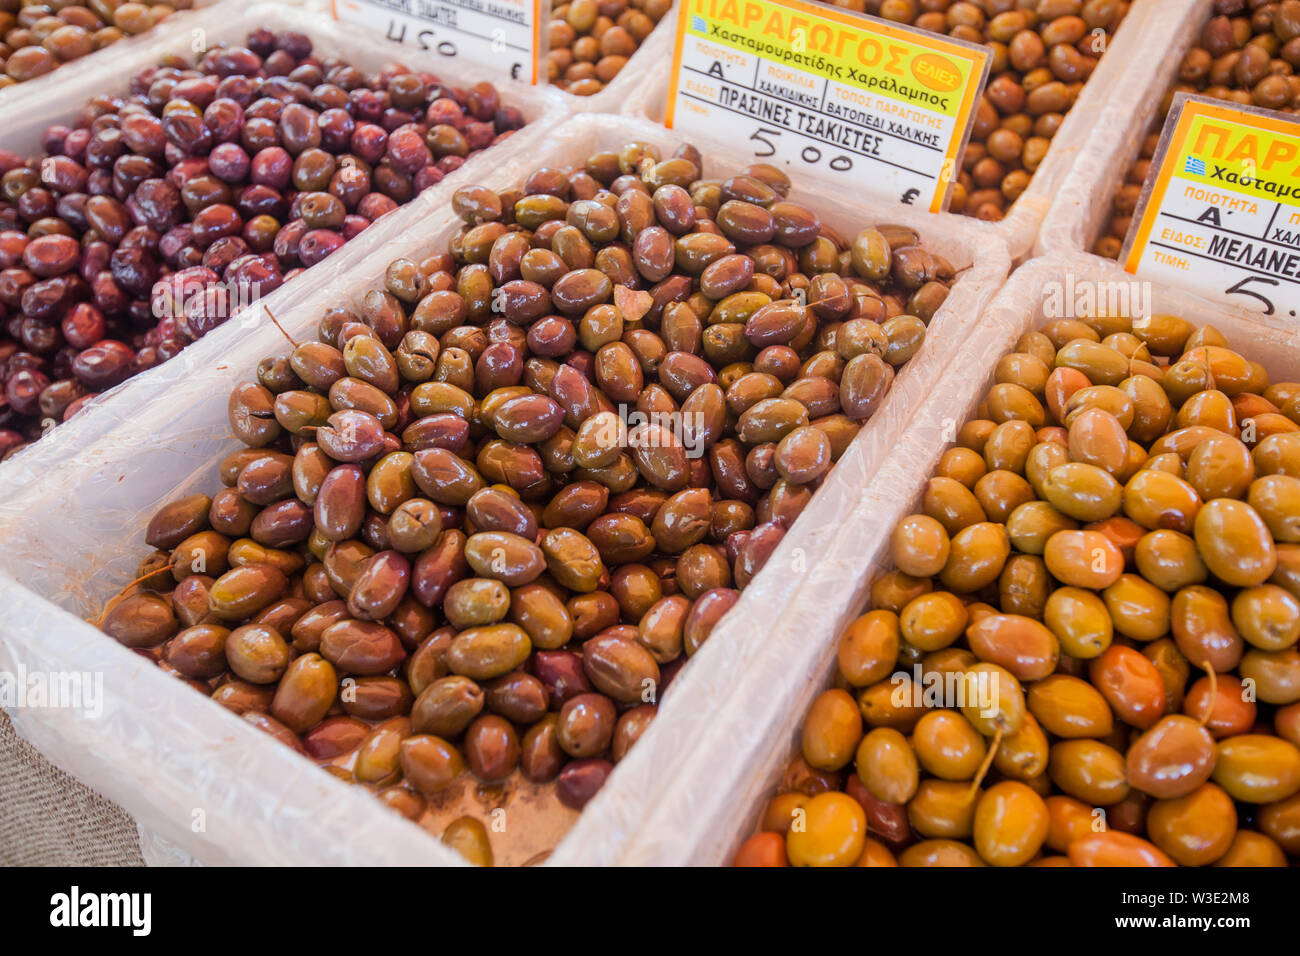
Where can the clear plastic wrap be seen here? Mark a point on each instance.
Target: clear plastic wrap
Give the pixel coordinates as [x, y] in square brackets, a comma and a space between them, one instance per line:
[1081, 207]
[74, 537]
[1076, 138]
[22, 123]
[719, 786]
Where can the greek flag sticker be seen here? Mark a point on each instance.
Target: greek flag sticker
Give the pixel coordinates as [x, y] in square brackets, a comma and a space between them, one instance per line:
[1194, 166]
[698, 24]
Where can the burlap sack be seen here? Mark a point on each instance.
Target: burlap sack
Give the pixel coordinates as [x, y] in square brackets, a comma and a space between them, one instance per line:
[47, 818]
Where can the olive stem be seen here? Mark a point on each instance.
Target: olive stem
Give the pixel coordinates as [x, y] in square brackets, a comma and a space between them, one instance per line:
[280, 327]
[985, 764]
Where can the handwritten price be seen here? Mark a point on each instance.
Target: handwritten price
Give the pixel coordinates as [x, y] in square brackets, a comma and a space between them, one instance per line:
[809, 154]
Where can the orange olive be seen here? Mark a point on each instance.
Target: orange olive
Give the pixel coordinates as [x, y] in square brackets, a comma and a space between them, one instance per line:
[762, 849]
[1225, 706]
[1113, 848]
[1169, 560]
[1267, 617]
[1083, 559]
[1171, 759]
[1158, 500]
[1020, 644]
[1068, 707]
[1252, 849]
[1281, 821]
[1203, 629]
[943, 808]
[832, 833]
[1275, 675]
[933, 621]
[1235, 543]
[947, 746]
[1023, 754]
[976, 556]
[1286, 722]
[939, 853]
[1257, 768]
[892, 703]
[1173, 669]
[1069, 819]
[1130, 683]
[1080, 621]
[1010, 824]
[920, 546]
[781, 811]
[1195, 829]
[868, 648]
[887, 765]
[1089, 770]
[832, 730]
[892, 590]
[1138, 608]
[875, 853]
[994, 700]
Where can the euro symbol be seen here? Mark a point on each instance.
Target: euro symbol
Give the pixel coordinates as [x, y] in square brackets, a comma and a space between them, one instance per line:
[514, 71]
[910, 195]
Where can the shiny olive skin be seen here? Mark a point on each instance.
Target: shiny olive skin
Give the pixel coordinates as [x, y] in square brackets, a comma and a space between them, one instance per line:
[446, 501]
[212, 179]
[1147, 601]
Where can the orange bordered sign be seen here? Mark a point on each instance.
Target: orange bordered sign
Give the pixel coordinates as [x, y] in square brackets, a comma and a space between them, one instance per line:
[848, 98]
[1221, 213]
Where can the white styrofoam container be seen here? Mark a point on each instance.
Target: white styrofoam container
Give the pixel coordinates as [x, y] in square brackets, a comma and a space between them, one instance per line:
[720, 786]
[1074, 139]
[22, 121]
[73, 538]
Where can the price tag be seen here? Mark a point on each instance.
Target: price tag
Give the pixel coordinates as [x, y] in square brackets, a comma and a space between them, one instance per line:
[1222, 215]
[502, 34]
[853, 99]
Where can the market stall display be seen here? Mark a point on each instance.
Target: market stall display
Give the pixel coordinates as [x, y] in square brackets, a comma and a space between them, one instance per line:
[151, 216]
[450, 470]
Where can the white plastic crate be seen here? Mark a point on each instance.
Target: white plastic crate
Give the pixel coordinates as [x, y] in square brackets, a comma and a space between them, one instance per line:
[74, 537]
[719, 788]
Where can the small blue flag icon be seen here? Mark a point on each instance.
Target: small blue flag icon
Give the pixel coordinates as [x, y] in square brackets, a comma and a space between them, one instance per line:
[698, 24]
[1194, 166]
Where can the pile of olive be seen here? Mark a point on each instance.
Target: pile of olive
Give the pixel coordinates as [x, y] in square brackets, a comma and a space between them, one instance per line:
[159, 213]
[1247, 54]
[589, 41]
[37, 36]
[486, 517]
[1111, 550]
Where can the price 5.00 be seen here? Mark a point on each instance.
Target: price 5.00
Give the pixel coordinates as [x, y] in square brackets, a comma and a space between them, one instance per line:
[809, 154]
